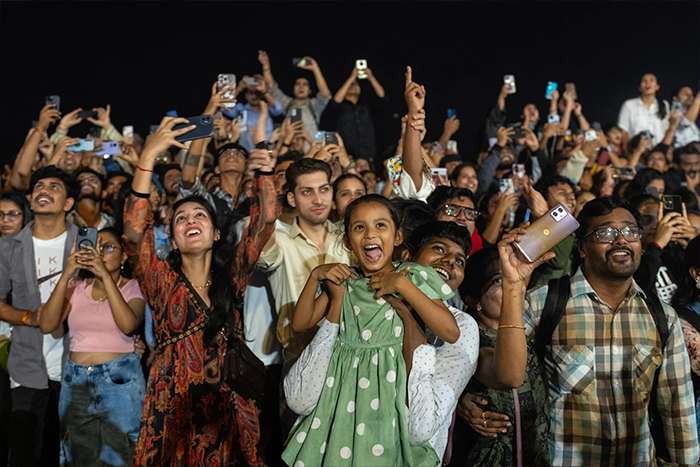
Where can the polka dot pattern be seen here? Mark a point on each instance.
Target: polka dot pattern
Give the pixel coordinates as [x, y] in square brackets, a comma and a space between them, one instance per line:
[351, 407]
[345, 452]
[316, 423]
[363, 383]
[330, 381]
[360, 430]
[377, 450]
[391, 376]
[374, 404]
[366, 334]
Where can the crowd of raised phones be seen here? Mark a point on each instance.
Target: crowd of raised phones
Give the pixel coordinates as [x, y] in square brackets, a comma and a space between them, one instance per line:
[257, 286]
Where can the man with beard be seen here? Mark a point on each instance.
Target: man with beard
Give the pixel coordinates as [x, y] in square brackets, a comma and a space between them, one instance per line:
[606, 364]
[30, 265]
[113, 185]
[88, 210]
[170, 176]
[295, 250]
[502, 155]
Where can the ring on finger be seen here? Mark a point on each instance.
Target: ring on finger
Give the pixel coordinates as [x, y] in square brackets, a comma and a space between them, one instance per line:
[486, 422]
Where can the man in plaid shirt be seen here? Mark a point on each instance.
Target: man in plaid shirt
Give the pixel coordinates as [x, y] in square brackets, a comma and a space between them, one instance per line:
[605, 351]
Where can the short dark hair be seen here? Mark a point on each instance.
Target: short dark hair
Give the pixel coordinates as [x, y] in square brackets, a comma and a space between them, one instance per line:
[290, 156]
[344, 177]
[51, 171]
[439, 229]
[451, 158]
[21, 201]
[640, 181]
[600, 207]
[412, 214]
[553, 180]
[442, 194]
[368, 199]
[229, 146]
[455, 173]
[88, 170]
[303, 167]
[684, 150]
[163, 169]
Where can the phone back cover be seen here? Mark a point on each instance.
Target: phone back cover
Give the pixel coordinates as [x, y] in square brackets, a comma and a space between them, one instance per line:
[545, 233]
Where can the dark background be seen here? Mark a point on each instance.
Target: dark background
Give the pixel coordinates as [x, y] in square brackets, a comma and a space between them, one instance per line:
[147, 58]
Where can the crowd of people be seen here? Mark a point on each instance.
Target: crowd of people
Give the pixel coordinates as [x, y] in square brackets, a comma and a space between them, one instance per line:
[271, 292]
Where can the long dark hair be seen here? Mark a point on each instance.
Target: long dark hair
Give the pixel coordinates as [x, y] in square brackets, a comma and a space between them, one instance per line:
[688, 291]
[224, 299]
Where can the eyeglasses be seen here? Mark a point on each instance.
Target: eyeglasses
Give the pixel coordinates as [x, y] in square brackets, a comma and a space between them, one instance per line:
[107, 248]
[610, 234]
[10, 215]
[453, 210]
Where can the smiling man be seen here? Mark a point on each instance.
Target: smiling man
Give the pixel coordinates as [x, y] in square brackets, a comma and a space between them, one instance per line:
[606, 363]
[88, 209]
[30, 265]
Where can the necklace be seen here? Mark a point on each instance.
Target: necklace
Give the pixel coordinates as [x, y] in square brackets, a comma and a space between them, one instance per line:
[102, 299]
[203, 287]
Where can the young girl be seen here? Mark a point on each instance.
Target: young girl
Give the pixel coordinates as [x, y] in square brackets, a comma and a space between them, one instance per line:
[360, 417]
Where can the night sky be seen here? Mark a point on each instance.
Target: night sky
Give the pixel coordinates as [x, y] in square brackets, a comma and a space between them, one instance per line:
[147, 58]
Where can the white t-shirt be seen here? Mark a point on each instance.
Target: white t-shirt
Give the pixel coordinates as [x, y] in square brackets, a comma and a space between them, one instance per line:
[636, 117]
[48, 259]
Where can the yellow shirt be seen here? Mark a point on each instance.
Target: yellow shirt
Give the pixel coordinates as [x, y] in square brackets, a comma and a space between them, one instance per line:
[290, 257]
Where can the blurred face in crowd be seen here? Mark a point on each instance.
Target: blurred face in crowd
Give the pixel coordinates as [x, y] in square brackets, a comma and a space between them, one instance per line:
[90, 185]
[11, 218]
[451, 166]
[468, 179]
[370, 179]
[531, 113]
[507, 158]
[50, 197]
[231, 160]
[280, 172]
[302, 88]
[617, 260]
[171, 181]
[252, 97]
[361, 165]
[491, 298]
[71, 161]
[113, 186]
[193, 229]
[657, 160]
[690, 164]
[582, 199]
[348, 190]
[562, 193]
[111, 250]
[648, 213]
[685, 96]
[649, 86]
[354, 90]
[658, 184]
[312, 197]
[460, 211]
[615, 136]
[446, 257]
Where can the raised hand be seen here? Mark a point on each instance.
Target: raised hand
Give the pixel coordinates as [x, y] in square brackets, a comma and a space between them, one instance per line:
[531, 140]
[503, 135]
[260, 159]
[516, 270]
[308, 64]
[47, 116]
[165, 136]
[387, 282]
[69, 120]
[264, 59]
[413, 93]
[102, 119]
[217, 100]
[60, 150]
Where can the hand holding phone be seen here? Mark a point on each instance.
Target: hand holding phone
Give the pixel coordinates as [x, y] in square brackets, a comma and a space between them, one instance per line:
[227, 82]
[204, 128]
[361, 66]
[451, 113]
[295, 115]
[546, 232]
[54, 101]
[87, 237]
[509, 81]
[551, 87]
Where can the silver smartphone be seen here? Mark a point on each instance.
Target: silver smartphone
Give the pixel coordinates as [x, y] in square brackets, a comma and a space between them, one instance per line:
[227, 82]
[509, 80]
[546, 232]
[361, 66]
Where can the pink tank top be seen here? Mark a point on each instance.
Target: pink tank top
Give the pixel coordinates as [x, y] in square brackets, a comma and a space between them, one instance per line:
[91, 324]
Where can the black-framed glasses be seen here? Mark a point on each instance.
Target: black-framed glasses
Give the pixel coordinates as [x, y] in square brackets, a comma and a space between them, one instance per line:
[630, 233]
[10, 215]
[453, 210]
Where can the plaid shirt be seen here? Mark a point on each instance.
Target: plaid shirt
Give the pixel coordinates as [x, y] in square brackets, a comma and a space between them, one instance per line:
[600, 370]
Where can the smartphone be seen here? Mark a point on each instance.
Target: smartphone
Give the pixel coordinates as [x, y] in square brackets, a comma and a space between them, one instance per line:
[505, 185]
[590, 135]
[83, 145]
[451, 113]
[551, 87]
[571, 88]
[204, 128]
[83, 114]
[295, 114]
[452, 146]
[518, 133]
[330, 137]
[623, 173]
[518, 170]
[676, 106]
[673, 203]
[299, 61]
[435, 147]
[87, 237]
[108, 149]
[361, 66]
[553, 118]
[250, 81]
[227, 82]
[546, 232]
[54, 101]
[128, 131]
[439, 175]
[510, 81]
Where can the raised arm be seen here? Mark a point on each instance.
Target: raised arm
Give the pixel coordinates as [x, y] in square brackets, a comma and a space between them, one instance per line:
[310, 309]
[582, 121]
[674, 119]
[568, 109]
[312, 66]
[340, 93]
[22, 168]
[414, 95]
[376, 85]
[264, 60]
[694, 109]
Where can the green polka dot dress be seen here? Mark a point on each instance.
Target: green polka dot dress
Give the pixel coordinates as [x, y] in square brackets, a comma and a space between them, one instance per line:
[361, 417]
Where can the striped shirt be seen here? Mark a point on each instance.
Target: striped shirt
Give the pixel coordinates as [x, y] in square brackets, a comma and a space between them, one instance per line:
[600, 369]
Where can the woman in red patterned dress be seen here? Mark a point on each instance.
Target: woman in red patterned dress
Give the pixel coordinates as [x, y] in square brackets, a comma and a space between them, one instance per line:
[191, 416]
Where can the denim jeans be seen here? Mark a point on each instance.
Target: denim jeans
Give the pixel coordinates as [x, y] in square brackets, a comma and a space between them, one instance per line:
[100, 411]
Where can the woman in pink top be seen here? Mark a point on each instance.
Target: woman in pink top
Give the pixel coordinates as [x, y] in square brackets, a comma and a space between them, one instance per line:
[103, 387]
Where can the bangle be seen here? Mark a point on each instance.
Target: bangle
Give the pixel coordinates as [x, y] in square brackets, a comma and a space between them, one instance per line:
[510, 326]
[26, 319]
[658, 246]
[140, 195]
[138, 167]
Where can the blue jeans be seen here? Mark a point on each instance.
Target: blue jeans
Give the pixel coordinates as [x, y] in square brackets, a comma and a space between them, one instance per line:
[100, 411]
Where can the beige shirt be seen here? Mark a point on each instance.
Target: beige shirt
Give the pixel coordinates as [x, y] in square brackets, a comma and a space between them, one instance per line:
[290, 257]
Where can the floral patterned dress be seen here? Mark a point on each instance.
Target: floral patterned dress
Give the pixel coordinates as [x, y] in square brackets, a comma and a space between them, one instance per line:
[190, 416]
[361, 416]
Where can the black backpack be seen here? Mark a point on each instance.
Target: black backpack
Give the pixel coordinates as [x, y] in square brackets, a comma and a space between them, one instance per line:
[558, 294]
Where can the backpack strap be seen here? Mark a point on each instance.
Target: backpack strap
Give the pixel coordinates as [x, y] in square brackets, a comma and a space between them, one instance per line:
[558, 293]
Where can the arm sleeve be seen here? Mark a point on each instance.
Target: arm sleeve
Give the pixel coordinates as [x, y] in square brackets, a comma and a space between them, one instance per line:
[575, 166]
[437, 379]
[487, 171]
[304, 382]
[624, 120]
[111, 134]
[5, 285]
[407, 189]
[494, 121]
[692, 342]
[280, 96]
[675, 401]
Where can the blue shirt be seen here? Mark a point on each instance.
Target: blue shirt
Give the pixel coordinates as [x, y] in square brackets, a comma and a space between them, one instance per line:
[251, 119]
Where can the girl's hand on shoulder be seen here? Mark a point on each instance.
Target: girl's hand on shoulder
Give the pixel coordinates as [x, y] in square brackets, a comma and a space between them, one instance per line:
[387, 282]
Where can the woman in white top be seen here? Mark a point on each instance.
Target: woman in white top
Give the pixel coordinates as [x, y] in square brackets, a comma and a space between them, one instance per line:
[644, 113]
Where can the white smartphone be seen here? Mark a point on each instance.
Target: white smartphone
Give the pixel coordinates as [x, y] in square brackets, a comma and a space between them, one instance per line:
[452, 146]
[361, 65]
[590, 135]
[510, 81]
[227, 82]
[128, 131]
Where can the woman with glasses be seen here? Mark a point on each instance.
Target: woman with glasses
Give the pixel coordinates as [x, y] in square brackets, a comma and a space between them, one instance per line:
[457, 205]
[497, 424]
[103, 386]
[14, 213]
